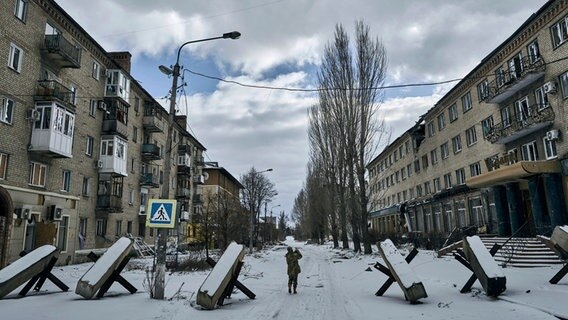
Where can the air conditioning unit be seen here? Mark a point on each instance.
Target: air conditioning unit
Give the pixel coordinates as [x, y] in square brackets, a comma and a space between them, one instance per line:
[33, 114]
[25, 212]
[102, 105]
[184, 216]
[549, 87]
[198, 179]
[99, 164]
[56, 213]
[552, 134]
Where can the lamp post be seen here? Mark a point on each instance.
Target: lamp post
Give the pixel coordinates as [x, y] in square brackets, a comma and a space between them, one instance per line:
[270, 222]
[252, 213]
[165, 194]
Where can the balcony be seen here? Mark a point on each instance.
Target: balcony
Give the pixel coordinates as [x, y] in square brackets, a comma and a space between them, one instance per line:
[52, 130]
[506, 84]
[51, 90]
[183, 193]
[150, 152]
[109, 203]
[152, 124]
[149, 180]
[61, 52]
[537, 119]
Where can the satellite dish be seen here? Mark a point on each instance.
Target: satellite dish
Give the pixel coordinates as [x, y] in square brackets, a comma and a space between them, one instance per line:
[205, 176]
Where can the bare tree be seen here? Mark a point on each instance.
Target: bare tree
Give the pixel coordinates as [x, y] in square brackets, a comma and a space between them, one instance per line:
[257, 189]
[344, 126]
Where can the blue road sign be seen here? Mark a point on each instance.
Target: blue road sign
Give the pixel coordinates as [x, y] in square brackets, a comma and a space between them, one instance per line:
[162, 213]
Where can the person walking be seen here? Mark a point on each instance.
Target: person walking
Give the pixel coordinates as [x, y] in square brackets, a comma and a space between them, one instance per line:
[292, 258]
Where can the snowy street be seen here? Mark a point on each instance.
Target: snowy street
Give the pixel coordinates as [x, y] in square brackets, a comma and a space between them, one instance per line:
[334, 284]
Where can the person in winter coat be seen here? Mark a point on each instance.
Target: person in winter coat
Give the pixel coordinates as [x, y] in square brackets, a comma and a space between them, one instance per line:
[292, 258]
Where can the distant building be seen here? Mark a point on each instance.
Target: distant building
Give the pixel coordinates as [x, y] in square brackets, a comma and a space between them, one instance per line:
[490, 156]
[81, 141]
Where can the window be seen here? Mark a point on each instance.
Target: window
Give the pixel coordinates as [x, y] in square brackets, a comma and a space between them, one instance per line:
[37, 174]
[457, 144]
[90, 141]
[483, 90]
[73, 98]
[460, 176]
[136, 105]
[475, 169]
[471, 136]
[448, 181]
[419, 191]
[444, 150]
[21, 9]
[434, 156]
[44, 119]
[134, 134]
[118, 228]
[487, 126]
[424, 161]
[441, 121]
[93, 107]
[66, 181]
[427, 188]
[3, 165]
[107, 148]
[130, 196]
[417, 166]
[431, 129]
[62, 231]
[529, 151]
[409, 169]
[7, 110]
[132, 164]
[437, 186]
[505, 117]
[85, 188]
[516, 66]
[541, 98]
[403, 173]
[500, 76]
[534, 52]
[466, 102]
[559, 32]
[550, 148]
[129, 227]
[15, 58]
[522, 110]
[101, 227]
[96, 70]
[564, 84]
[453, 112]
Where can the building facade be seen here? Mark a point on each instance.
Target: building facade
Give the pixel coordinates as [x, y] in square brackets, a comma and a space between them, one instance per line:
[490, 156]
[81, 142]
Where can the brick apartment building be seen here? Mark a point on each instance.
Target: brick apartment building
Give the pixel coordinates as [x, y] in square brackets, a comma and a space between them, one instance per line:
[490, 155]
[81, 141]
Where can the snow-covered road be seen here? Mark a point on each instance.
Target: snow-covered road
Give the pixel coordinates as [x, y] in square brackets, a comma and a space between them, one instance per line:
[333, 285]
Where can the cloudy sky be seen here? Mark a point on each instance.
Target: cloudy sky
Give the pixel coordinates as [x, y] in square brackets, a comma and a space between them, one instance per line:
[281, 46]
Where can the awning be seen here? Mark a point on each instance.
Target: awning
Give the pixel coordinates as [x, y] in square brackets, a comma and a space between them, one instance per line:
[516, 171]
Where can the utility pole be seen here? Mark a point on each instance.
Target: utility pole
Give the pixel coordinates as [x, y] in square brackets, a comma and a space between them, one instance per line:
[160, 267]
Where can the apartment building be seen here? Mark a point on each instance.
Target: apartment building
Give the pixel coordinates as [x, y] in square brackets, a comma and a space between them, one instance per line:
[490, 156]
[219, 196]
[81, 142]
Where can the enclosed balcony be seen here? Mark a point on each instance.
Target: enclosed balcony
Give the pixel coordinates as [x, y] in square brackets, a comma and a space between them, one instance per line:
[51, 90]
[149, 180]
[117, 85]
[115, 120]
[60, 52]
[184, 163]
[152, 121]
[52, 130]
[114, 152]
[183, 193]
[535, 118]
[109, 203]
[509, 81]
[150, 152]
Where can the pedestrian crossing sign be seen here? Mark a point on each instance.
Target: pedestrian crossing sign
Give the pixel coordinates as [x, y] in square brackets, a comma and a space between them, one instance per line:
[162, 213]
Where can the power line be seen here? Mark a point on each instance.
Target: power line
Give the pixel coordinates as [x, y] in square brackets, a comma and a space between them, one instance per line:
[321, 89]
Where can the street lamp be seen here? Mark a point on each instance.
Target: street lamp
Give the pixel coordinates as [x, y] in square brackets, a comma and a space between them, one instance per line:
[270, 222]
[252, 213]
[162, 233]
